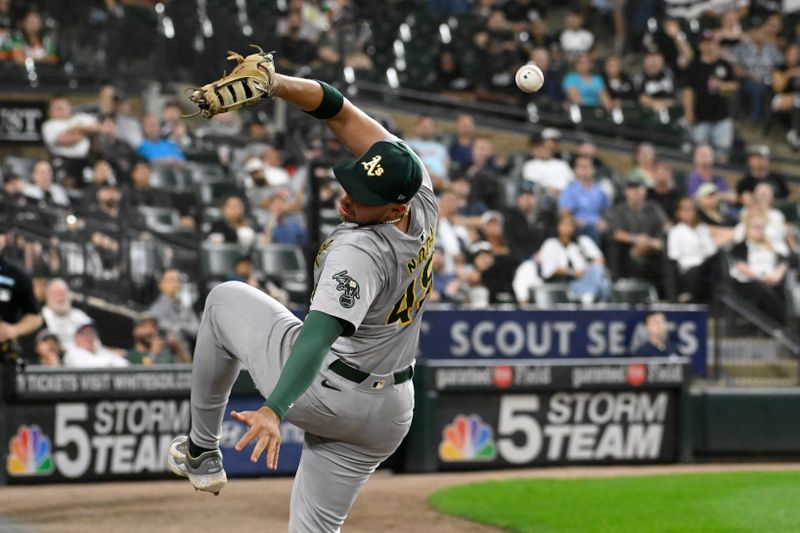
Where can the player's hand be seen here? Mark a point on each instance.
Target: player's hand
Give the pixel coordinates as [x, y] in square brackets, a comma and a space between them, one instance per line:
[264, 426]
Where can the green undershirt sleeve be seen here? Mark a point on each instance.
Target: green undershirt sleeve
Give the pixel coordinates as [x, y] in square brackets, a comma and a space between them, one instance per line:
[318, 333]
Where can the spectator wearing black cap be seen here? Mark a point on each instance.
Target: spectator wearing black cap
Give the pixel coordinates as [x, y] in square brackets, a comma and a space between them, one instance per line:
[151, 347]
[107, 145]
[709, 81]
[758, 159]
[47, 348]
[87, 352]
[19, 311]
[528, 224]
[129, 129]
[543, 169]
[475, 275]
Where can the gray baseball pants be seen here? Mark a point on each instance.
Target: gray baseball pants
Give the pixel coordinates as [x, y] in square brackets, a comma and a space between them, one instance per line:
[349, 432]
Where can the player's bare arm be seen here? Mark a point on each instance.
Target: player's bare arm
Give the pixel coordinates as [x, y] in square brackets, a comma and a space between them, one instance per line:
[354, 128]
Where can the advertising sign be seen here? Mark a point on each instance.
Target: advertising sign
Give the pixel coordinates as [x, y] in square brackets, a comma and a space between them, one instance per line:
[554, 334]
[556, 428]
[22, 121]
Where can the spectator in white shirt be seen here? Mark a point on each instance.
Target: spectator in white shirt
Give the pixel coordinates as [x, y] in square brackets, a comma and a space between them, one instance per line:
[551, 174]
[67, 139]
[451, 236]
[759, 272]
[777, 230]
[42, 187]
[59, 315]
[575, 39]
[691, 244]
[432, 153]
[576, 260]
[86, 351]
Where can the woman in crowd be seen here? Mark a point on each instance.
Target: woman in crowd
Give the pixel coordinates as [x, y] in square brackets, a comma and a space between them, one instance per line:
[644, 164]
[618, 84]
[758, 271]
[691, 245]
[31, 42]
[584, 87]
[576, 260]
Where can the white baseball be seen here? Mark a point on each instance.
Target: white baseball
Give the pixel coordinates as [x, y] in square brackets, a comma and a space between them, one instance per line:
[529, 78]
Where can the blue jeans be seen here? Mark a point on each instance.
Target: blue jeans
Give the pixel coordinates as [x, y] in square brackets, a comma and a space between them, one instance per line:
[718, 134]
[755, 91]
[594, 281]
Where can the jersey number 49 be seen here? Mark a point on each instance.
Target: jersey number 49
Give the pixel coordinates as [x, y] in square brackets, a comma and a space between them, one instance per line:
[402, 310]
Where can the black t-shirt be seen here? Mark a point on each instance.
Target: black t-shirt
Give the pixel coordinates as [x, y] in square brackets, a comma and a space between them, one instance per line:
[660, 85]
[228, 231]
[620, 88]
[779, 186]
[668, 201]
[16, 293]
[708, 106]
[793, 86]
[649, 349]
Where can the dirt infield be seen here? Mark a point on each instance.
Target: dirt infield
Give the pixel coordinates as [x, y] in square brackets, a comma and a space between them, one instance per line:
[389, 503]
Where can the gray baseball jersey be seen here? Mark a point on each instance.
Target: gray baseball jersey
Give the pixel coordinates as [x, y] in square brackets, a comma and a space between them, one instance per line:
[377, 278]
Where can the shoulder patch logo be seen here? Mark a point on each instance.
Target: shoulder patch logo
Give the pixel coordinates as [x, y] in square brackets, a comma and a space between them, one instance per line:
[349, 288]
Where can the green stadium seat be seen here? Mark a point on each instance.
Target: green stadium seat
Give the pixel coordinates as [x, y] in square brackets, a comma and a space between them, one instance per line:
[633, 292]
[551, 294]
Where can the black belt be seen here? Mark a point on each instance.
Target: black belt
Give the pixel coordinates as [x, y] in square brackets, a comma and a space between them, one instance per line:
[358, 376]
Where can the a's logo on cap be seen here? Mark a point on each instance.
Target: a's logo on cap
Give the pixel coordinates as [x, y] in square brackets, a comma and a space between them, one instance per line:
[373, 166]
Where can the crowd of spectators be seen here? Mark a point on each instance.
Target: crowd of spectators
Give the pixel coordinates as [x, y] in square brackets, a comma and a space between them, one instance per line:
[115, 181]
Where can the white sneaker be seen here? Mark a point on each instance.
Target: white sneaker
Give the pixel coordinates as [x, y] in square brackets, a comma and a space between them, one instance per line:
[204, 472]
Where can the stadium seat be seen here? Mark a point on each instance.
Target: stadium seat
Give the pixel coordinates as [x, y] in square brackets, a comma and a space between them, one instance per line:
[21, 166]
[219, 259]
[282, 260]
[213, 192]
[789, 209]
[160, 219]
[551, 294]
[633, 292]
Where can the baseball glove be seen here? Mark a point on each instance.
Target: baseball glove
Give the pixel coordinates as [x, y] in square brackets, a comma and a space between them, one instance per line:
[251, 80]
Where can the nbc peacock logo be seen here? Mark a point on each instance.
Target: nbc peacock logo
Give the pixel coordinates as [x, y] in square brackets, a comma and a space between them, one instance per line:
[467, 438]
[29, 453]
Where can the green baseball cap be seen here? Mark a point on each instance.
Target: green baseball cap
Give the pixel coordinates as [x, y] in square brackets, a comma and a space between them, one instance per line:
[389, 173]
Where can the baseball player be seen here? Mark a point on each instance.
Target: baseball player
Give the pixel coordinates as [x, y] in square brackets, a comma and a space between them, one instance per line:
[344, 374]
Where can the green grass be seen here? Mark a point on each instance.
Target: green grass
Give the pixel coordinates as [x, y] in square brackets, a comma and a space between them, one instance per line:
[714, 502]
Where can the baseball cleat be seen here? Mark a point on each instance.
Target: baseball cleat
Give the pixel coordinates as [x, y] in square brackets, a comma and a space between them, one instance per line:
[204, 472]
